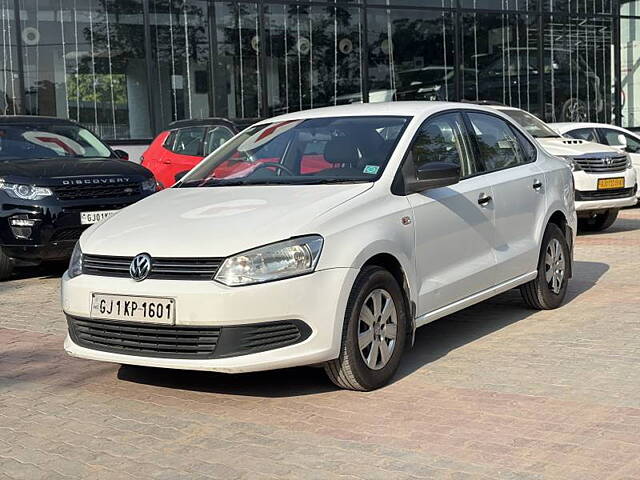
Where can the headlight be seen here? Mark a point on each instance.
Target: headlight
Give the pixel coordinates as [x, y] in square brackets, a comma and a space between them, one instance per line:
[571, 161]
[629, 162]
[150, 185]
[273, 262]
[75, 264]
[24, 192]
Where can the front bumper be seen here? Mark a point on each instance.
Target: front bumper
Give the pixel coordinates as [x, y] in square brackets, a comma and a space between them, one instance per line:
[319, 300]
[589, 198]
[56, 229]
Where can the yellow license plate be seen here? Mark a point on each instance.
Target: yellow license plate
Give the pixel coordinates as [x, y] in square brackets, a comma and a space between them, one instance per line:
[609, 183]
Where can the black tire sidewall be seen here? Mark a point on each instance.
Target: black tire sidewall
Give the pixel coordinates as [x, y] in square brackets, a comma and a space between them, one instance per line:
[550, 299]
[371, 279]
[6, 266]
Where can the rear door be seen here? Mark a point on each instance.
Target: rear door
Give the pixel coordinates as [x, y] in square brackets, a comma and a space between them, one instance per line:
[509, 159]
[454, 225]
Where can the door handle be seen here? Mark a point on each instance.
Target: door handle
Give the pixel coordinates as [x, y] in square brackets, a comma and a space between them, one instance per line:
[165, 161]
[537, 184]
[484, 199]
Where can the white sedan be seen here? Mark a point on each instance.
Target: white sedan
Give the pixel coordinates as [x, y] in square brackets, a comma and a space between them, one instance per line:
[605, 134]
[325, 237]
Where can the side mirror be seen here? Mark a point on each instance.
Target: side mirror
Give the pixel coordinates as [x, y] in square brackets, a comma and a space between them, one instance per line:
[121, 154]
[622, 141]
[180, 175]
[433, 175]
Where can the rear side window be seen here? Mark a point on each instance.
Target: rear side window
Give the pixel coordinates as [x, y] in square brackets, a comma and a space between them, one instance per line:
[498, 144]
[588, 134]
[187, 141]
[215, 138]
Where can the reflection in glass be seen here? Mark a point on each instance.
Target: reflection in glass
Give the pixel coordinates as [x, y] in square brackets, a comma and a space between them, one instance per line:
[9, 60]
[577, 69]
[312, 56]
[410, 55]
[500, 59]
[85, 60]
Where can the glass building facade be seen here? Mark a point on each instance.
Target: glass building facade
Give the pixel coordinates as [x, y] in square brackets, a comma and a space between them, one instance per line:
[126, 68]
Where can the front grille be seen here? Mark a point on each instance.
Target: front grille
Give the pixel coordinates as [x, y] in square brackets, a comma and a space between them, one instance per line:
[161, 268]
[174, 341]
[67, 234]
[602, 165]
[604, 194]
[168, 341]
[87, 192]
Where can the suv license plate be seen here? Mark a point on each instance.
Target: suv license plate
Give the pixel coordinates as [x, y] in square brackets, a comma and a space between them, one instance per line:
[89, 218]
[133, 309]
[610, 183]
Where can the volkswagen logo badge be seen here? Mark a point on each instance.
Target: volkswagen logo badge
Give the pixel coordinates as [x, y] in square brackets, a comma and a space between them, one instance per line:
[140, 267]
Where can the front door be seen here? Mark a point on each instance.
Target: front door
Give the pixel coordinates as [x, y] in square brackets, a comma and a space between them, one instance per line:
[454, 225]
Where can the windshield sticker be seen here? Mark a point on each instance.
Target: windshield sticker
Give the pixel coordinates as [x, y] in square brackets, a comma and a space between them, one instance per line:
[371, 169]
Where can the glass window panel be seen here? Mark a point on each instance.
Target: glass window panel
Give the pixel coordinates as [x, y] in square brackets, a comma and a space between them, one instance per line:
[415, 3]
[85, 60]
[180, 46]
[498, 146]
[630, 70]
[577, 6]
[588, 134]
[577, 69]
[9, 75]
[238, 81]
[500, 59]
[529, 5]
[312, 56]
[410, 55]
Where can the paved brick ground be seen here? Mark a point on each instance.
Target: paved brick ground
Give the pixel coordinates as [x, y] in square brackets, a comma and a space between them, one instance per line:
[495, 391]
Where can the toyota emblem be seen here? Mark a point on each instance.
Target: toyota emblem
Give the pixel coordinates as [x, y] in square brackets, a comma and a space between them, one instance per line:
[607, 160]
[140, 267]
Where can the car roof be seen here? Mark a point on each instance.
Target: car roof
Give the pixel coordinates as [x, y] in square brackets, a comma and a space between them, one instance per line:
[201, 121]
[404, 109]
[27, 119]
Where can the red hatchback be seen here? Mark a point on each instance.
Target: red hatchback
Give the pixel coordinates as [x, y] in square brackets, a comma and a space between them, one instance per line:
[183, 145]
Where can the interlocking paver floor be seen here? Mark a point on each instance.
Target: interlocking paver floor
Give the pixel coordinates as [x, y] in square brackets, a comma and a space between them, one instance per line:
[495, 391]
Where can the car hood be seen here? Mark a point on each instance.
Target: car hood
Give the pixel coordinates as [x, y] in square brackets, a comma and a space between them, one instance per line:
[216, 221]
[571, 147]
[49, 171]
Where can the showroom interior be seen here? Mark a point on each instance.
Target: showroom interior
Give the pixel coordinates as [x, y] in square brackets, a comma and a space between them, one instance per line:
[127, 68]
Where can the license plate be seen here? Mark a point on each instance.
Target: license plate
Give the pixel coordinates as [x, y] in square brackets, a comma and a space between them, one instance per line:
[89, 218]
[133, 309]
[609, 183]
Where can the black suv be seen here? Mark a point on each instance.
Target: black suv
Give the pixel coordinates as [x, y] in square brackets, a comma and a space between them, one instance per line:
[56, 179]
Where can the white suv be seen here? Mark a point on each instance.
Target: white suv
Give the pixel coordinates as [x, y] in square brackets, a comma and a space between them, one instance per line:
[605, 179]
[325, 237]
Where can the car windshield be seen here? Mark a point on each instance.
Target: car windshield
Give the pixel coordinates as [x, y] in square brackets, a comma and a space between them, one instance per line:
[308, 151]
[533, 126]
[49, 140]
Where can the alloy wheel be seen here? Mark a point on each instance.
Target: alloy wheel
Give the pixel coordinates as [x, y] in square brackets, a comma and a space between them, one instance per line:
[377, 329]
[554, 266]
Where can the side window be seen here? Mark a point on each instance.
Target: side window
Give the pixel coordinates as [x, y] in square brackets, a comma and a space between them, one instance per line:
[189, 141]
[440, 139]
[216, 137]
[587, 134]
[498, 145]
[529, 151]
[620, 139]
[170, 140]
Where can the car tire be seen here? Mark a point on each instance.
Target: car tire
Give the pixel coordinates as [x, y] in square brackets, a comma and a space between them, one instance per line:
[374, 289]
[548, 289]
[6, 266]
[599, 222]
